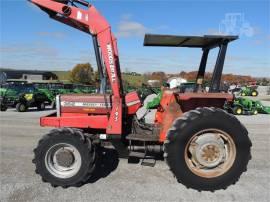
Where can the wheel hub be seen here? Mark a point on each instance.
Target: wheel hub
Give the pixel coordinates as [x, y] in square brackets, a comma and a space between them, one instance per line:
[239, 111]
[22, 107]
[64, 158]
[210, 153]
[209, 150]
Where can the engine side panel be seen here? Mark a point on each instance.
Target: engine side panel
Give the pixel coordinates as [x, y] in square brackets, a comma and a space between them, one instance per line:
[88, 104]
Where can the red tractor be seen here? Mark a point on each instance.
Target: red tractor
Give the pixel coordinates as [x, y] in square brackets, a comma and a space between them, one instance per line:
[205, 147]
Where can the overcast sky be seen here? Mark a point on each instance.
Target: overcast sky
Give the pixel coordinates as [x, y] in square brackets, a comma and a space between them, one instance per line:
[30, 40]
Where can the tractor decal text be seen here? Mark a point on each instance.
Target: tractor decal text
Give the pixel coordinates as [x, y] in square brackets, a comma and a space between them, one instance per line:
[116, 114]
[84, 104]
[79, 15]
[111, 62]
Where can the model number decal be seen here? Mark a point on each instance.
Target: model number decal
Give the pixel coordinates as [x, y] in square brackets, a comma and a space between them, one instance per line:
[79, 15]
[116, 114]
[111, 62]
[84, 104]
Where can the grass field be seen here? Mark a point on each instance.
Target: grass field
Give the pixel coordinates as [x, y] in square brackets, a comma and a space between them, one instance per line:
[133, 80]
[62, 75]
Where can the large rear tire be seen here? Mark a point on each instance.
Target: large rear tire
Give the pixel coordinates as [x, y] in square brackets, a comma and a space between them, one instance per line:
[207, 149]
[65, 157]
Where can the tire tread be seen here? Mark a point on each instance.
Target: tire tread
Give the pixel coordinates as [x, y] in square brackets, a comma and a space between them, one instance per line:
[187, 118]
[75, 133]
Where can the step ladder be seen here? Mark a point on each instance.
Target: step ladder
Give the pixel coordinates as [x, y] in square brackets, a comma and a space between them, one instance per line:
[135, 156]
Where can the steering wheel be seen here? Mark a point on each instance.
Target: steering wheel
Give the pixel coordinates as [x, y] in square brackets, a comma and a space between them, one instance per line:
[150, 88]
[145, 90]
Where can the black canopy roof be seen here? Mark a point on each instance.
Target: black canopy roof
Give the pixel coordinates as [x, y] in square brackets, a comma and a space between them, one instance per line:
[207, 41]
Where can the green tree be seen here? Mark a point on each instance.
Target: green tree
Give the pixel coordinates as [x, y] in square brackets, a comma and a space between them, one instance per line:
[96, 79]
[82, 73]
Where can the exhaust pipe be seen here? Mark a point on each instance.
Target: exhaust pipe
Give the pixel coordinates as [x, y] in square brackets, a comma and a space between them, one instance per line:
[149, 148]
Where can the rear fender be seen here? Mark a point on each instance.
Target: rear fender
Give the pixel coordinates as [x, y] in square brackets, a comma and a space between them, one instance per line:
[174, 104]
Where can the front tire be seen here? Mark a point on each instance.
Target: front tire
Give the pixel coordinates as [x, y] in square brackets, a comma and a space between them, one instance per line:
[41, 106]
[21, 107]
[3, 108]
[65, 157]
[255, 112]
[254, 93]
[207, 149]
[237, 110]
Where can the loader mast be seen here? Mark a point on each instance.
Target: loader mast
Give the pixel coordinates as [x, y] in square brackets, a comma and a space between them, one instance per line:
[90, 21]
[102, 77]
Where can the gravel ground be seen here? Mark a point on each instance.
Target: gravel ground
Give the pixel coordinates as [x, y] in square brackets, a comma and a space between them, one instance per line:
[118, 180]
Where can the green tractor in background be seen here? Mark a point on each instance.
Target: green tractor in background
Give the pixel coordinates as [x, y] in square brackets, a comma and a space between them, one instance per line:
[22, 96]
[261, 108]
[85, 89]
[3, 90]
[45, 88]
[249, 91]
[58, 88]
[53, 89]
[241, 106]
[245, 106]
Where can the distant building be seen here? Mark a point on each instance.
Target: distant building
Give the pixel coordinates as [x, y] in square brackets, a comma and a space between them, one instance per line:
[176, 81]
[28, 74]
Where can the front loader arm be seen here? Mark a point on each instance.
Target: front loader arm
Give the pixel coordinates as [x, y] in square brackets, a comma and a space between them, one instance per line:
[92, 22]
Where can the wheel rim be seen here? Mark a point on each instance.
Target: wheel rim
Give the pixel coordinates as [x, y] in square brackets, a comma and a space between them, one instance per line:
[254, 93]
[22, 107]
[239, 111]
[210, 153]
[63, 160]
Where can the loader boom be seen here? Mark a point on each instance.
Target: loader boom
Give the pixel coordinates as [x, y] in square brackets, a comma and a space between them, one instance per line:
[90, 21]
